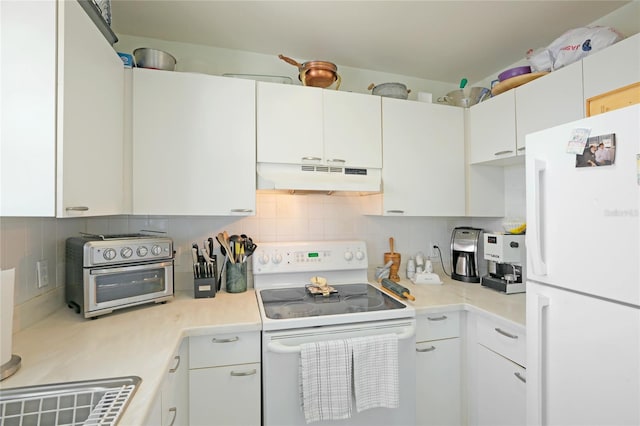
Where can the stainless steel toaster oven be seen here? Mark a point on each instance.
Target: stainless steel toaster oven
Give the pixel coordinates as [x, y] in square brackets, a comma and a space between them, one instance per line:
[109, 272]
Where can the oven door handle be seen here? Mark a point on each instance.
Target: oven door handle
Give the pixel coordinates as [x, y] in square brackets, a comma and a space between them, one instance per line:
[129, 268]
[280, 348]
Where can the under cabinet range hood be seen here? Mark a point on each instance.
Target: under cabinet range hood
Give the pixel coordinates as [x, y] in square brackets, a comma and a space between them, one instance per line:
[318, 178]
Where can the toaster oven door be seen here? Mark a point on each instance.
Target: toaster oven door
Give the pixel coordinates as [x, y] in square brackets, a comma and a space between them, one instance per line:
[110, 288]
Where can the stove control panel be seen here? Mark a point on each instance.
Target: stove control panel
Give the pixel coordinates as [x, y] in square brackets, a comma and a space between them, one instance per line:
[309, 256]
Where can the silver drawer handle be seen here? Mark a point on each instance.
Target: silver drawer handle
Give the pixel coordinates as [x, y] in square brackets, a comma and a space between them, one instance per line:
[520, 377]
[522, 148]
[174, 369]
[442, 318]
[173, 410]
[244, 373]
[241, 210]
[77, 209]
[429, 349]
[227, 340]
[504, 333]
[311, 158]
[503, 152]
[336, 160]
[396, 211]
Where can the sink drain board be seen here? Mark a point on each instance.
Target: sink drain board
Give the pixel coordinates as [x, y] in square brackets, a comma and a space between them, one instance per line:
[94, 402]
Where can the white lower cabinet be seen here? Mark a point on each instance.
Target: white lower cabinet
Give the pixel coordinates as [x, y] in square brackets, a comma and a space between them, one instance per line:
[224, 379]
[497, 391]
[175, 390]
[439, 370]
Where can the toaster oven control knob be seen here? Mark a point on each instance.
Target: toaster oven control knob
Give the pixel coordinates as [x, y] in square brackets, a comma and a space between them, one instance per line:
[156, 250]
[348, 256]
[109, 254]
[142, 251]
[126, 252]
[359, 255]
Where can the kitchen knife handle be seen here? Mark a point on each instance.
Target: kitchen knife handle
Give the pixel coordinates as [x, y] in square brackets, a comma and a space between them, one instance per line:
[77, 209]
[244, 373]
[227, 340]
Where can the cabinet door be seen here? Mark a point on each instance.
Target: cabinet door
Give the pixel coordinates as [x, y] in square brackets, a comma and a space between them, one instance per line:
[175, 392]
[438, 381]
[289, 124]
[28, 105]
[549, 101]
[500, 392]
[225, 395]
[90, 143]
[352, 129]
[193, 144]
[423, 152]
[492, 129]
[611, 68]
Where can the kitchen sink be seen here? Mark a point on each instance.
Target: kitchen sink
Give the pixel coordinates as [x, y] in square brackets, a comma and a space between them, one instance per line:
[89, 402]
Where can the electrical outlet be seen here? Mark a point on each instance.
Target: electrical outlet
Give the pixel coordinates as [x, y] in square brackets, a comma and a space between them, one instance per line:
[433, 252]
[176, 258]
[42, 271]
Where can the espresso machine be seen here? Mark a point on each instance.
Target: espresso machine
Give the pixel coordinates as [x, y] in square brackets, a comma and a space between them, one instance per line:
[466, 254]
[505, 254]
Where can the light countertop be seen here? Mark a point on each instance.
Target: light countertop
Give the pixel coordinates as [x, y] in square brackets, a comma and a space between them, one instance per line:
[140, 341]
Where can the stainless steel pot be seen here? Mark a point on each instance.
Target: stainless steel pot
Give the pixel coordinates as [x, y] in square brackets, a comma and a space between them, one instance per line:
[466, 97]
[153, 58]
[390, 90]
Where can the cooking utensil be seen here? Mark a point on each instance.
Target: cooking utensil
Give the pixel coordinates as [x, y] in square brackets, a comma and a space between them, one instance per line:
[513, 72]
[466, 97]
[394, 258]
[153, 58]
[316, 73]
[513, 82]
[224, 243]
[390, 90]
[397, 289]
[463, 83]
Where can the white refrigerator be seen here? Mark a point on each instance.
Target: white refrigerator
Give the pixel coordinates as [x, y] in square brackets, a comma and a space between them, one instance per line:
[583, 272]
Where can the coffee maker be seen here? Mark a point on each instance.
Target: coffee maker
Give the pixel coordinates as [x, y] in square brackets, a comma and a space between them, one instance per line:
[505, 254]
[466, 254]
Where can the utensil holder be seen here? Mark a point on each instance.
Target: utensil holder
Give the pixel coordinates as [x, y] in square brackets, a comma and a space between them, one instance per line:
[236, 278]
[204, 287]
[395, 266]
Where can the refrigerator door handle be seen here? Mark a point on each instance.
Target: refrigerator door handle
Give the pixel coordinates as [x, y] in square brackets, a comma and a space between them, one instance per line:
[536, 369]
[536, 242]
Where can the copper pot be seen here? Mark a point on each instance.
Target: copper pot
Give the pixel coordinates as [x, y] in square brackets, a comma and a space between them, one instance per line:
[316, 73]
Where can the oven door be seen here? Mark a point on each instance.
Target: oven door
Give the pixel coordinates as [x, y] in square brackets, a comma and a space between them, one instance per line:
[280, 362]
[108, 288]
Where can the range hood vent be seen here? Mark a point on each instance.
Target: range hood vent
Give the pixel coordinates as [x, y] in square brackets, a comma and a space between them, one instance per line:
[320, 178]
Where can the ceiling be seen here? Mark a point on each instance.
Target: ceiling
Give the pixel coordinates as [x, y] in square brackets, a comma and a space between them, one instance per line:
[435, 40]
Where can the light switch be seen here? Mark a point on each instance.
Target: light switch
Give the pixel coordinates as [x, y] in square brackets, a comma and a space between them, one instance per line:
[42, 271]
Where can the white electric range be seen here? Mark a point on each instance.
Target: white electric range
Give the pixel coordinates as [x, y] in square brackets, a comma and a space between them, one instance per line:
[293, 315]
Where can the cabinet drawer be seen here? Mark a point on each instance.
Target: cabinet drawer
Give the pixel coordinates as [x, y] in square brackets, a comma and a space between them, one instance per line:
[224, 349]
[619, 98]
[506, 340]
[438, 326]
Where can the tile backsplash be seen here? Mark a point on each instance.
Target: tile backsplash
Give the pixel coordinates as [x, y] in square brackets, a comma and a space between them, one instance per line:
[280, 217]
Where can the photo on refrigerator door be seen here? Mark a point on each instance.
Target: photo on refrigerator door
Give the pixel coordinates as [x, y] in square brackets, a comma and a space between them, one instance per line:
[599, 151]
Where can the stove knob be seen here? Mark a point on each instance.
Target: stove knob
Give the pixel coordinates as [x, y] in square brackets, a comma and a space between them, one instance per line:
[156, 250]
[359, 255]
[142, 251]
[277, 258]
[109, 254]
[126, 252]
[263, 259]
[348, 256]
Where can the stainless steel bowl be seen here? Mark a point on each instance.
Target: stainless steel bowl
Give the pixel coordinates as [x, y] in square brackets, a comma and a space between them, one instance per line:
[154, 59]
[466, 97]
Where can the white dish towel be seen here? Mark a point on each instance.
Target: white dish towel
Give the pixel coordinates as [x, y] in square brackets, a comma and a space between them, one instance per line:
[326, 380]
[375, 371]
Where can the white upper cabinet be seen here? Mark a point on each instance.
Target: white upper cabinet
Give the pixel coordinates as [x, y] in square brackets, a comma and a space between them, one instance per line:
[28, 104]
[193, 144]
[614, 67]
[308, 125]
[62, 147]
[492, 129]
[549, 101]
[423, 151]
[90, 148]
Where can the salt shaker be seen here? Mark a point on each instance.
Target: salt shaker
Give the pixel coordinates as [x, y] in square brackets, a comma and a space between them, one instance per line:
[411, 268]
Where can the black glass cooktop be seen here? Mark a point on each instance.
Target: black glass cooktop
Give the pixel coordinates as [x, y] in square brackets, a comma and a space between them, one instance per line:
[297, 302]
